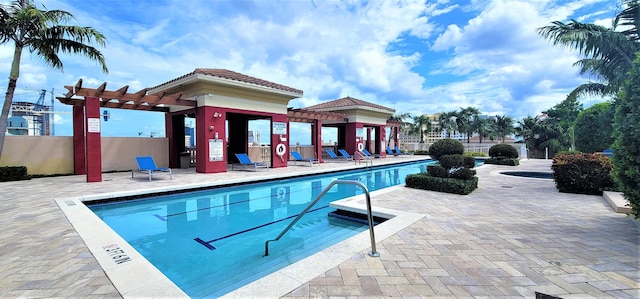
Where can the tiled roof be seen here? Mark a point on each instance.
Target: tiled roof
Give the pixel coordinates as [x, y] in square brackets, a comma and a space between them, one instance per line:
[231, 75]
[347, 102]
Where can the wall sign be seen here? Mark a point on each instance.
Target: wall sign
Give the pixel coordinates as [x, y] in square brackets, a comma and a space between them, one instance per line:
[93, 125]
[279, 128]
[216, 152]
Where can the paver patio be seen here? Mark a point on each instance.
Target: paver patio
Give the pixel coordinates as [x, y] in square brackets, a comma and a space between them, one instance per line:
[511, 237]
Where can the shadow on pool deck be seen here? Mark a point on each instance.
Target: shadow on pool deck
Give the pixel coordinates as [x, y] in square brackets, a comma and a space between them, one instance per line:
[495, 242]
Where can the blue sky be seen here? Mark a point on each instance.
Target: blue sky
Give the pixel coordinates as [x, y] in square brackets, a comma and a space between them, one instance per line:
[413, 56]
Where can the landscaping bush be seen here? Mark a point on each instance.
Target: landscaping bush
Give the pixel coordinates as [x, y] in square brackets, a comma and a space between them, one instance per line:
[453, 174]
[448, 185]
[582, 173]
[13, 173]
[451, 161]
[437, 171]
[421, 152]
[469, 162]
[502, 161]
[503, 150]
[463, 174]
[446, 146]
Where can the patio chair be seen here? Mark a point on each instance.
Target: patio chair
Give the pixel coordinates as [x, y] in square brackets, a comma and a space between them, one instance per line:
[246, 162]
[346, 155]
[399, 152]
[368, 154]
[148, 165]
[333, 156]
[359, 157]
[390, 152]
[298, 158]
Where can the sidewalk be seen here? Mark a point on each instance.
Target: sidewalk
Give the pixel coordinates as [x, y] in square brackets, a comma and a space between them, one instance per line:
[511, 237]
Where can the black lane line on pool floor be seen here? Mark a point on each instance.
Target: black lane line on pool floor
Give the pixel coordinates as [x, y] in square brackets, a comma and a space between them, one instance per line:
[208, 245]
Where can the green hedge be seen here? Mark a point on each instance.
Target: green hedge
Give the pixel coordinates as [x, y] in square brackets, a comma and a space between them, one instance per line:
[449, 185]
[474, 154]
[503, 150]
[421, 152]
[13, 173]
[582, 173]
[502, 161]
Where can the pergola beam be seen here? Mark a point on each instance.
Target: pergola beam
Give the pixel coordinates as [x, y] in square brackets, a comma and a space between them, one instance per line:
[123, 100]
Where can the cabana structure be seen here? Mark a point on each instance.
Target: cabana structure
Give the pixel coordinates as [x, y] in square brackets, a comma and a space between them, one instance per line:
[222, 102]
[365, 125]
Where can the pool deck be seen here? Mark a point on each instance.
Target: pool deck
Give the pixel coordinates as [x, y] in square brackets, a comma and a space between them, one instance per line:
[511, 237]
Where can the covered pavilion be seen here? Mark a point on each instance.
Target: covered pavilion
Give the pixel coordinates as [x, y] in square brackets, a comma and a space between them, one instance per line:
[223, 102]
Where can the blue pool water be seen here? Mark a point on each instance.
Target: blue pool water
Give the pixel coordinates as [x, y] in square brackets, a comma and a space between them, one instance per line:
[211, 242]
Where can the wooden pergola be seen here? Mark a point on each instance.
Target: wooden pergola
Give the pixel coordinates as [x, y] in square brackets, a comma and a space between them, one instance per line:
[309, 116]
[120, 99]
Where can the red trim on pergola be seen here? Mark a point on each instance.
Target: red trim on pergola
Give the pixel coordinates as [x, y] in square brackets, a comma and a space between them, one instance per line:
[120, 99]
[309, 116]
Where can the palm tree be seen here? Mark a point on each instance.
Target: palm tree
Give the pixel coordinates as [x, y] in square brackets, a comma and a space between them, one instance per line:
[405, 126]
[447, 122]
[465, 121]
[42, 32]
[485, 127]
[608, 54]
[503, 126]
[525, 129]
[421, 126]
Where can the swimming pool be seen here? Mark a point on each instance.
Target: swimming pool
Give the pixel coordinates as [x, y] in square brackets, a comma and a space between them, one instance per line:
[211, 242]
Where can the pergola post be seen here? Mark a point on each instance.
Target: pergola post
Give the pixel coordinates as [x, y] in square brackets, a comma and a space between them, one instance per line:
[79, 161]
[93, 143]
[316, 138]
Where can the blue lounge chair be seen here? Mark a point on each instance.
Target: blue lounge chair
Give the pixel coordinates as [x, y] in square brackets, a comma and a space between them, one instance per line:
[345, 154]
[368, 154]
[298, 158]
[148, 165]
[399, 152]
[333, 155]
[245, 161]
[390, 152]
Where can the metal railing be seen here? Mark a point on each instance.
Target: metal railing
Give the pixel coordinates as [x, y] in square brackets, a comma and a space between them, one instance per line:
[373, 251]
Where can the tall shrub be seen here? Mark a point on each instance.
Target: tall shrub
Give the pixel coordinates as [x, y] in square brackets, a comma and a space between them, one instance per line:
[626, 131]
[593, 129]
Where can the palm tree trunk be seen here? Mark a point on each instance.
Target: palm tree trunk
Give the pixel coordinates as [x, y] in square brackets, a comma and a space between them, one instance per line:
[8, 99]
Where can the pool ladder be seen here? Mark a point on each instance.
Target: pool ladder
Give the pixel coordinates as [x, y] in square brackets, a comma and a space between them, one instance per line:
[373, 251]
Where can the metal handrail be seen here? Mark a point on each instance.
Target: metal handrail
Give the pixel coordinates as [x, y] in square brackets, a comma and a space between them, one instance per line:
[373, 251]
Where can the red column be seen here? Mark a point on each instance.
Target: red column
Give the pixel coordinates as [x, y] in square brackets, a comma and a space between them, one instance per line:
[93, 144]
[211, 153]
[279, 141]
[316, 138]
[79, 166]
[382, 139]
[351, 138]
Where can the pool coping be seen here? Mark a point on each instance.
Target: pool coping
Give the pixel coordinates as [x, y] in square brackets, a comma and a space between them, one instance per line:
[134, 276]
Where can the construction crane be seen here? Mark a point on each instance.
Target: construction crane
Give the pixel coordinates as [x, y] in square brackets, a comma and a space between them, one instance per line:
[38, 113]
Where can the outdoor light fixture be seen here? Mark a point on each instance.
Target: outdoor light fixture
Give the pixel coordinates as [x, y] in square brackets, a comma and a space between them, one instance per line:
[211, 128]
[216, 114]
